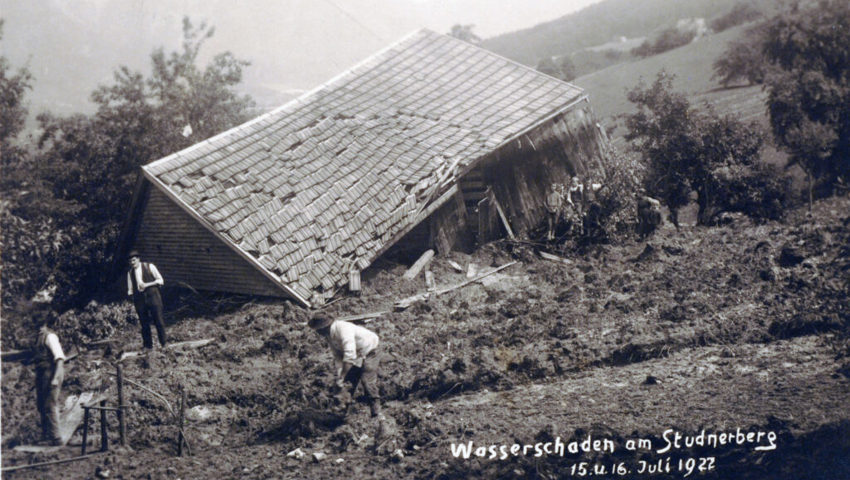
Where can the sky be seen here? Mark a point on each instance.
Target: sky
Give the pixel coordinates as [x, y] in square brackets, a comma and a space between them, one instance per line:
[293, 45]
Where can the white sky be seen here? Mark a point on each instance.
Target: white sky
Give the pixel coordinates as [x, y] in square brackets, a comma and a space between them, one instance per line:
[292, 44]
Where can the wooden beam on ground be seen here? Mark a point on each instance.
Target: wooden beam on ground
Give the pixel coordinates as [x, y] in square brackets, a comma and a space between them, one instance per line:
[555, 258]
[42, 464]
[417, 267]
[13, 355]
[406, 302]
[363, 316]
[191, 343]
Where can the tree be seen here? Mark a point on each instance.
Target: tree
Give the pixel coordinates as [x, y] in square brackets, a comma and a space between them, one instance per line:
[559, 67]
[809, 93]
[13, 113]
[668, 39]
[464, 32]
[81, 179]
[743, 59]
[687, 149]
[740, 13]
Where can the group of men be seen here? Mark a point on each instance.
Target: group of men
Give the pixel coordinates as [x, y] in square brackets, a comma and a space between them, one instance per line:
[555, 203]
[355, 349]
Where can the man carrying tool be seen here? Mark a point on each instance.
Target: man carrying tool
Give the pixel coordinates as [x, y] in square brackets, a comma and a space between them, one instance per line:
[143, 282]
[352, 344]
[49, 374]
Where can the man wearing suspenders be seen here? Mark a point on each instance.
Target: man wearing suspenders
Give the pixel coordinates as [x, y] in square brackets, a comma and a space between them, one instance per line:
[143, 283]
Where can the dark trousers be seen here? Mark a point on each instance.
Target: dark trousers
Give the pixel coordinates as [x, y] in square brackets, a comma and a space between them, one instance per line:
[149, 307]
[366, 375]
[47, 402]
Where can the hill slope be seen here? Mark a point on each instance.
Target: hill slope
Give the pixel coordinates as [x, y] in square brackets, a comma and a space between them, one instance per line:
[603, 22]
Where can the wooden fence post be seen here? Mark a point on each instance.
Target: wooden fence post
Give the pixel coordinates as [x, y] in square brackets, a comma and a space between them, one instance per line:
[85, 429]
[122, 428]
[180, 438]
[104, 439]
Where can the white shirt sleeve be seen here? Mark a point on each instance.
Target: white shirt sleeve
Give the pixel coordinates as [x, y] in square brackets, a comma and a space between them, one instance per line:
[157, 278]
[129, 283]
[55, 347]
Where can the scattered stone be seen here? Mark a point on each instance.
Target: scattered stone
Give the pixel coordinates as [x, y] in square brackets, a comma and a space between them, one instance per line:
[297, 453]
[397, 455]
[199, 413]
[650, 380]
[339, 460]
[319, 456]
[102, 472]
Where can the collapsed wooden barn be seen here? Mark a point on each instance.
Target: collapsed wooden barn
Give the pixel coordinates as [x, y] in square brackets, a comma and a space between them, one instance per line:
[426, 142]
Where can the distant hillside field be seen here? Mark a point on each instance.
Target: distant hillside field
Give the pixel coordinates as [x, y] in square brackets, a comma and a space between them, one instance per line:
[601, 23]
[692, 67]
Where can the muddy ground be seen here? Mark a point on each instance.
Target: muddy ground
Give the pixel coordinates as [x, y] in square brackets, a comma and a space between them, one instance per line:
[735, 328]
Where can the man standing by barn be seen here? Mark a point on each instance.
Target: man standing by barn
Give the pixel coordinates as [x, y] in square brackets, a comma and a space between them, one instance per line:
[143, 283]
[352, 344]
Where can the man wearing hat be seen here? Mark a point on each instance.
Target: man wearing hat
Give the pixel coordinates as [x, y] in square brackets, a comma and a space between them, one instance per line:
[351, 345]
[143, 282]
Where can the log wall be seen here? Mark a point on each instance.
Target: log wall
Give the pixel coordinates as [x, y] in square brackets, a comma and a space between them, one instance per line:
[184, 251]
[521, 173]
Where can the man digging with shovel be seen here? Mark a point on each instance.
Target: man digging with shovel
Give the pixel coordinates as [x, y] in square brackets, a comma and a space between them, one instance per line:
[351, 345]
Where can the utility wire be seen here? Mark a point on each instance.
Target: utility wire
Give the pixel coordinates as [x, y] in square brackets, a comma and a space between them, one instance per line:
[355, 20]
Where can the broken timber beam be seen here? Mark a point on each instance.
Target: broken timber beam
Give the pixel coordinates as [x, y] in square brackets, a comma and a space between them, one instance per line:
[42, 464]
[503, 217]
[406, 302]
[417, 267]
[363, 316]
[555, 258]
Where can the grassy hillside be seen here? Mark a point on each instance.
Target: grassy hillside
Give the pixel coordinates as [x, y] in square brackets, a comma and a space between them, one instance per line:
[604, 22]
[692, 67]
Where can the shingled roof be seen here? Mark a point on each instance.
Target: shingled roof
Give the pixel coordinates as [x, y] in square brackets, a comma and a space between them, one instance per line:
[323, 184]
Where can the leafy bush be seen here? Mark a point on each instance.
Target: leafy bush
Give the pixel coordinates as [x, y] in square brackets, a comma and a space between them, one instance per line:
[742, 59]
[809, 90]
[668, 40]
[760, 191]
[62, 205]
[687, 149]
[740, 13]
[625, 174]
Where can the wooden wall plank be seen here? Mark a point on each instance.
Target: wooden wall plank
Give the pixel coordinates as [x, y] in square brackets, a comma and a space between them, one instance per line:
[184, 251]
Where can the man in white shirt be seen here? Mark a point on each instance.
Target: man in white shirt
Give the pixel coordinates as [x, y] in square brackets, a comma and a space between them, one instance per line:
[143, 282]
[49, 374]
[351, 345]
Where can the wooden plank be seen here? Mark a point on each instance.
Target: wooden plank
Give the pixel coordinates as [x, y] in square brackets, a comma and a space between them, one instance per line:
[503, 217]
[354, 280]
[42, 464]
[555, 258]
[406, 302]
[363, 316]
[417, 267]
